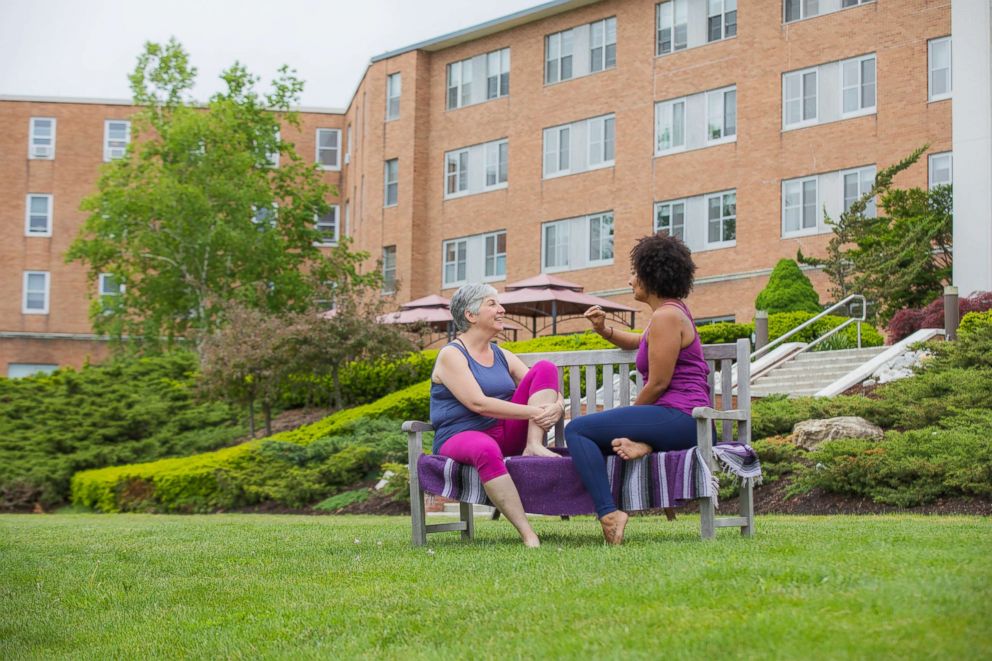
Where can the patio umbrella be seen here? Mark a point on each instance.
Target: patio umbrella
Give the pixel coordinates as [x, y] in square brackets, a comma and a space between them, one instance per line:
[547, 296]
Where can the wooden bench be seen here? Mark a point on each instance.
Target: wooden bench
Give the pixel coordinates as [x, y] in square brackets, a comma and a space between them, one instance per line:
[723, 359]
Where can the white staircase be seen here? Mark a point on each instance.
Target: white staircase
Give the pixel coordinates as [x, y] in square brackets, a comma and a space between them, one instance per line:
[810, 372]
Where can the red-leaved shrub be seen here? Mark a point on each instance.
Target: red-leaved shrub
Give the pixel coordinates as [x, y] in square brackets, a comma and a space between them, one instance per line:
[906, 322]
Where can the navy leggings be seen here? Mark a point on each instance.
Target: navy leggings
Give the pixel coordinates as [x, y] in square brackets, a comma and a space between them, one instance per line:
[590, 439]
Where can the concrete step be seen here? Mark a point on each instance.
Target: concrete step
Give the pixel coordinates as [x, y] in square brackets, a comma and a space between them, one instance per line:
[841, 354]
[808, 373]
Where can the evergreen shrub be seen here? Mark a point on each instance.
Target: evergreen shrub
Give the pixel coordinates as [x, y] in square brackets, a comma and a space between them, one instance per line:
[788, 290]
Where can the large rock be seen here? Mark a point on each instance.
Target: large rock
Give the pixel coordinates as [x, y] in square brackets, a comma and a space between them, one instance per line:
[811, 433]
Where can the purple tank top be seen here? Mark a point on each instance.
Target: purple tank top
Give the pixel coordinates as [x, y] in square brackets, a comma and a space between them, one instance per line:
[689, 386]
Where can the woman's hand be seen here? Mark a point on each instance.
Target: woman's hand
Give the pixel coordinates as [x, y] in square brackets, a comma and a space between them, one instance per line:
[548, 415]
[597, 318]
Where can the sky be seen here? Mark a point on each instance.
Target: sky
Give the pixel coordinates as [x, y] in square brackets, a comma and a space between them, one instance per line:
[87, 48]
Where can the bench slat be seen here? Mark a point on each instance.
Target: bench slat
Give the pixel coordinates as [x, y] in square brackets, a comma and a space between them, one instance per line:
[726, 391]
[574, 391]
[590, 388]
[624, 384]
[608, 401]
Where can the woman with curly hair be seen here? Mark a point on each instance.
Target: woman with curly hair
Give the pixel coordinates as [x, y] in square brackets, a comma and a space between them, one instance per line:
[670, 360]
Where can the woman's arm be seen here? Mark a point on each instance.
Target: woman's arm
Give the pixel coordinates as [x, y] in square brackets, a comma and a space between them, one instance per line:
[664, 344]
[518, 370]
[453, 371]
[619, 338]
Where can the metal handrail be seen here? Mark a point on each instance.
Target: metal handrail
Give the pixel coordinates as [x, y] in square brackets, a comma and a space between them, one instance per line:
[809, 322]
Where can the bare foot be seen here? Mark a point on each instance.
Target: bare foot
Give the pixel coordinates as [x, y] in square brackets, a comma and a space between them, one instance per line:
[613, 525]
[628, 449]
[532, 542]
[539, 451]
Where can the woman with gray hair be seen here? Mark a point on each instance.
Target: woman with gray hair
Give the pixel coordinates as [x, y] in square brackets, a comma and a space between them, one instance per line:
[486, 404]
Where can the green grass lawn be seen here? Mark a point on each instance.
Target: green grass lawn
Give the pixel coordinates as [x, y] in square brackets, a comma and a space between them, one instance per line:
[248, 586]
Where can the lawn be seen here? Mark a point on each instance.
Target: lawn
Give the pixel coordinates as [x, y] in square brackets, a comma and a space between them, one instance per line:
[248, 586]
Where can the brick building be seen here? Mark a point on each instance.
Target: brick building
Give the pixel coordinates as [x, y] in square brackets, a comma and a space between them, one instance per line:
[549, 141]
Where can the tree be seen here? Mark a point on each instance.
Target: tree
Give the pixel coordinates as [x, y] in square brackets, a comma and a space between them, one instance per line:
[195, 214]
[899, 258]
[788, 290]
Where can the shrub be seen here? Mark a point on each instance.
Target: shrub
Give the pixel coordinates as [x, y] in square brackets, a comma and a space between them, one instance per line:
[777, 415]
[973, 322]
[779, 457]
[780, 324]
[342, 500]
[575, 342]
[906, 322]
[724, 332]
[788, 290]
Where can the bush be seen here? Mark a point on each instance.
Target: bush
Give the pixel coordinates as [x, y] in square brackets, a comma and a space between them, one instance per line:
[779, 457]
[788, 290]
[724, 332]
[780, 324]
[575, 342]
[120, 412]
[973, 322]
[906, 322]
[343, 499]
[777, 415]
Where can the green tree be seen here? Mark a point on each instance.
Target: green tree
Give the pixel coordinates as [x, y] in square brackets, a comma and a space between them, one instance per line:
[898, 258]
[196, 214]
[788, 290]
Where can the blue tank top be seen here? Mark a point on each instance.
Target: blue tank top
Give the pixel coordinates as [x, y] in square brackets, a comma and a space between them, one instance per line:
[449, 416]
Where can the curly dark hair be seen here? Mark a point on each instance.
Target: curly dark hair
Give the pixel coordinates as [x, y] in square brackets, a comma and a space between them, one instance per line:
[664, 265]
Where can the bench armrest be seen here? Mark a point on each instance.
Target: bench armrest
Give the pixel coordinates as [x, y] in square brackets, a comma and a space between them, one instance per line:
[416, 425]
[707, 413]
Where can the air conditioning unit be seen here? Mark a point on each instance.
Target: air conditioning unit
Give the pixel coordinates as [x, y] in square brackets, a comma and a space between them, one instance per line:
[41, 151]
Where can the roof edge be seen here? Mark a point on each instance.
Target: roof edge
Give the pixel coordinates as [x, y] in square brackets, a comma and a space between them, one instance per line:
[127, 102]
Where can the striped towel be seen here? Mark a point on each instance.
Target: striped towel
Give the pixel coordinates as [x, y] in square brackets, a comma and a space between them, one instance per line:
[552, 486]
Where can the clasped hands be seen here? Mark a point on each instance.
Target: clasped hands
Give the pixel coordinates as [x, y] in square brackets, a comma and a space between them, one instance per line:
[549, 415]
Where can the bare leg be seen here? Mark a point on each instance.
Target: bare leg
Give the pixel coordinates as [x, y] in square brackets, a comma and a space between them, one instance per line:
[503, 493]
[613, 526]
[535, 435]
[628, 449]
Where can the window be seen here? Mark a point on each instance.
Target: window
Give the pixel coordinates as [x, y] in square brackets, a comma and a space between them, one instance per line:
[603, 44]
[35, 292]
[602, 136]
[796, 10]
[721, 218]
[272, 158]
[673, 26]
[347, 147]
[116, 136]
[939, 59]
[854, 3]
[392, 177]
[670, 126]
[558, 56]
[496, 163]
[495, 255]
[264, 217]
[455, 262]
[670, 217]
[858, 85]
[389, 270]
[721, 114]
[721, 19]
[393, 87]
[38, 215]
[857, 183]
[557, 143]
[456, 172]
[799, 206]
[41, 144]
[941, 172]
[799, 98]
[109, 285]
[576, 243]
[498, 73]
[328, 226]
[21, 370]
[328, 148]
[601, 238]
[459, 83]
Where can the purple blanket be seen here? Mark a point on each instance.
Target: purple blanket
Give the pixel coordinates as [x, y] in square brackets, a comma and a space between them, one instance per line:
[552, 486]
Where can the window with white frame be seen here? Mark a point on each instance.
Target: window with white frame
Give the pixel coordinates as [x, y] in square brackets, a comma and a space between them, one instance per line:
[856, 184]
[456, 172]
[329, 226]
[672, 26]
[109, 285]
[393, 89]
[939, 65]
[669, 217]
[557, 150]
[264, 217]
[558, 56]
[21, 370]
[587, 144]
[272, 157]
[797, 10]
[455, 262]
[459, 83]
[41, 144]
[858, 85]
[669, 126]
[116, 136]
[391, 171]
[576, 243]
[602, 139]
[329, 148]
[941, 172]
[799, 206]
[35, 300]
[498, 73]
[721, 114]
[721, 19]
[497, 162]
[495, 267]
[799, 90]
[389, 270]
[476, 169]
[38, 215]
[603, 44]
[721, 219]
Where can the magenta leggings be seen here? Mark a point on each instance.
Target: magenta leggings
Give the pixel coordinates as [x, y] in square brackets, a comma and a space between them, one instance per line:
[485, 449]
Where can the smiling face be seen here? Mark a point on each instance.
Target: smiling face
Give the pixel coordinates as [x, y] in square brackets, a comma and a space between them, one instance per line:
[490, 315]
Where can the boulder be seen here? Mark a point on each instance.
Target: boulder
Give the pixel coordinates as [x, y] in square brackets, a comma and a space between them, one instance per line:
[810, 433]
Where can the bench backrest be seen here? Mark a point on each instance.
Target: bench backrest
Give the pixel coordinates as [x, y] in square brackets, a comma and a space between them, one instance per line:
[723, 359]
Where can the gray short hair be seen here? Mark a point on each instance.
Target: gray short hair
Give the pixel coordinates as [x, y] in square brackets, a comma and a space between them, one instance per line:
[469, 298]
